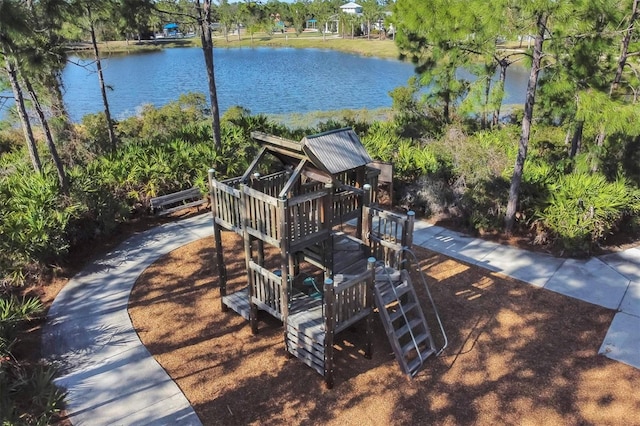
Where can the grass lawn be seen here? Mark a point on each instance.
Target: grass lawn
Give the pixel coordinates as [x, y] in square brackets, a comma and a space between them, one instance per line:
[360, 46]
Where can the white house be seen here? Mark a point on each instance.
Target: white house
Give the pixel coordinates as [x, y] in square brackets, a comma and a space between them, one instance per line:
[352, 8]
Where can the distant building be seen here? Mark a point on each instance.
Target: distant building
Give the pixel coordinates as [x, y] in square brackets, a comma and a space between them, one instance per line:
[352, 8]
[170, 29]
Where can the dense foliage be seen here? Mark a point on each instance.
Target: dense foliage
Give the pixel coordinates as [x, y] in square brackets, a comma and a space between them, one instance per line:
[574, 182]
[27, 393]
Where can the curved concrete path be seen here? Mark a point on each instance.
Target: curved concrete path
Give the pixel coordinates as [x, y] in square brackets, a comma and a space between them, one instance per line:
[111, 378]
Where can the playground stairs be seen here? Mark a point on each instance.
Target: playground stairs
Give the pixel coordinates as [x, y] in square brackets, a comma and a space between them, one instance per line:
[403, 320]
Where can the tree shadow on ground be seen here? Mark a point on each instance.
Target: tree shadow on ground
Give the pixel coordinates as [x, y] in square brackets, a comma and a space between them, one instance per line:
[516, 354]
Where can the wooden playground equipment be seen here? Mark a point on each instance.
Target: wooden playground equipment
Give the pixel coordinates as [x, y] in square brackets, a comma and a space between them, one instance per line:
[298, 197]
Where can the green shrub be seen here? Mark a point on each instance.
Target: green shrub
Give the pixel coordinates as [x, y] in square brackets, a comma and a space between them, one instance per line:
[27, 393]
[14, 311]
[34, 221]
[584, 208]
[161, 124]
[483, 205]
[93, 131]
[100, 208]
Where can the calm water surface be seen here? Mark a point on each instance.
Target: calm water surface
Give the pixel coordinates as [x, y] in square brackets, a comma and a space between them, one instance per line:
[264, 80]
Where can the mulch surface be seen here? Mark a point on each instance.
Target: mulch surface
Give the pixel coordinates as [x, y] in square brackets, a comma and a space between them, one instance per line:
[517, 354]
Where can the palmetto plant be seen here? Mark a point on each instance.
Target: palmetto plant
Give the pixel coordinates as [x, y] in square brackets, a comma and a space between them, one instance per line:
[35, 218]
[27, 392]
[13, 311]
[584, 208]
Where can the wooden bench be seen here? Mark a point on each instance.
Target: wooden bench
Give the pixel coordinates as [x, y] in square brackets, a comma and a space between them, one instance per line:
[166, 204]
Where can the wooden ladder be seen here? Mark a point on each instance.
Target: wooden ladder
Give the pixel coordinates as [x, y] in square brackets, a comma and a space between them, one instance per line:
[404, 321]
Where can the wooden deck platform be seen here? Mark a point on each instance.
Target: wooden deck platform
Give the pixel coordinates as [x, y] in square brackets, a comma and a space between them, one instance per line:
[238, 302]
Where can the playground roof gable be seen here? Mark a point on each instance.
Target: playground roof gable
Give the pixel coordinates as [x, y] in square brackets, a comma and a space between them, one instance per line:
[336, 151]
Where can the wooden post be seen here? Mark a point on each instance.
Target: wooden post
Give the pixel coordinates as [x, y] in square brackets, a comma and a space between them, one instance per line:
[366, 227]
[260, 252]
[371, 281]
[366, 201]
[283, 224]
[217, 237]
[360, 176]
[329, 330]
[328, 223]
[244, 208]
[408, 233]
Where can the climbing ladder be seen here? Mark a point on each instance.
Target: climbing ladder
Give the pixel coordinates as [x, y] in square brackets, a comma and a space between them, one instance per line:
[403, 317]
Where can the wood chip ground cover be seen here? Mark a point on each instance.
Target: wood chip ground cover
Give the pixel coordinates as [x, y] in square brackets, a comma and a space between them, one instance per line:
[517, 354]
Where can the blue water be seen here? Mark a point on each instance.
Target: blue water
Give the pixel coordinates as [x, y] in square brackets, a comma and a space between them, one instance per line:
[264, 80]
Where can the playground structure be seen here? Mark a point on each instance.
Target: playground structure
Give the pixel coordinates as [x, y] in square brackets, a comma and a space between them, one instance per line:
[297, 197]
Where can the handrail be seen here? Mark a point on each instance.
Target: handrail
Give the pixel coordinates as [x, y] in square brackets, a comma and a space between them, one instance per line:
[415, 261]
[402, 311]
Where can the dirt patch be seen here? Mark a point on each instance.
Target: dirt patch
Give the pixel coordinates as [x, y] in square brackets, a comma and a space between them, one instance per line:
[516, 354]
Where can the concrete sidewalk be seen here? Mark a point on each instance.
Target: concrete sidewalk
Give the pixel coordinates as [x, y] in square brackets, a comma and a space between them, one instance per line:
[111, 378]
[611, 281]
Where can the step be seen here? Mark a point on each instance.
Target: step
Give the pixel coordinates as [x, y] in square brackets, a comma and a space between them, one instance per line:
[416, 363]
[388, 295]
[393, 316]
[411, 325]
[407, 347]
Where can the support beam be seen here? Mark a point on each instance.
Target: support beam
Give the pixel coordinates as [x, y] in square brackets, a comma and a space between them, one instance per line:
[329, 331]
[369, 303]
[217, 237]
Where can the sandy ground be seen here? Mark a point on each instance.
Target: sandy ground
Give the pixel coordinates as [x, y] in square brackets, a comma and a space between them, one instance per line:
[516, 355]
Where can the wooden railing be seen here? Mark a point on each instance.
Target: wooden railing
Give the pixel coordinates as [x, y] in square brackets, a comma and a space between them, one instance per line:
[387, 233]
[266, 291]
[263, 216]
[270, 184]
[305, 214]
[225, 204]
[352, 298]
[346, 204]
[301, 220]
[347, 301]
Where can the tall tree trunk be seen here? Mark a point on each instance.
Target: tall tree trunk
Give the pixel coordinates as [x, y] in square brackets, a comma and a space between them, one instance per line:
[103, 89]
[622, 60]
[504, 64]
[22, 112]
[485, 114]
[204, 16]
[516, 179]
[624, 50]
[62, 176]
[576, 140]
[63, 131]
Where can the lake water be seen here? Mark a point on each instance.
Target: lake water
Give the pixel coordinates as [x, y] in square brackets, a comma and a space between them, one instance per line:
[264, 80]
